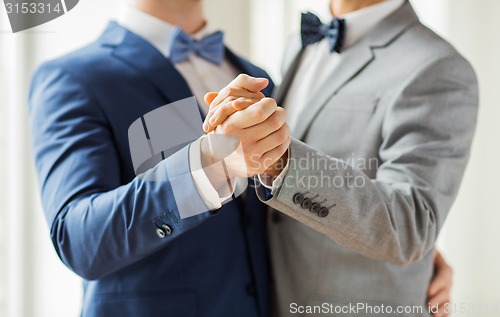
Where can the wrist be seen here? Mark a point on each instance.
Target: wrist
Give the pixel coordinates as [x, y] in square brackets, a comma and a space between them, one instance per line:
[214, 170]
[278, 166]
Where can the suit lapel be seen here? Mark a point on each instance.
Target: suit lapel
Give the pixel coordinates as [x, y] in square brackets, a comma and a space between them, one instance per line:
[291, 62]
[282, 91]
[147, 60]
[355, 59]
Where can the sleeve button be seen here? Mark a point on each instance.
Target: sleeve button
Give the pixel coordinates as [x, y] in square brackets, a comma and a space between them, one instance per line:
[315, 208]
[323, 212]
[167, 230]
[164, 231]
[298, 198]
[306, 204]
[160, 233]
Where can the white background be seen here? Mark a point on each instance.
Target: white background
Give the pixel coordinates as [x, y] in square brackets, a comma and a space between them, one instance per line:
[34, 283]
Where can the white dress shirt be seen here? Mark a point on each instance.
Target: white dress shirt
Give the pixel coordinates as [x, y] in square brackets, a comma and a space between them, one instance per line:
[317, 64]
[200, 75]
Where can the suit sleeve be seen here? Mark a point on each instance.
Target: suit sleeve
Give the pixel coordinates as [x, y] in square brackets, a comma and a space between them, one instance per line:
[396, 217]
[98, 223]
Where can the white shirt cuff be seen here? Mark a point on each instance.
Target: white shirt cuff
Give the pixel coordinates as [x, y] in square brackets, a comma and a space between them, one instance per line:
[207, 192]
[273, 182]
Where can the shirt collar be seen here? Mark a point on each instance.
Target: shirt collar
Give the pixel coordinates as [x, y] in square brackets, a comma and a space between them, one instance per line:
[156, 31]
[360, 22]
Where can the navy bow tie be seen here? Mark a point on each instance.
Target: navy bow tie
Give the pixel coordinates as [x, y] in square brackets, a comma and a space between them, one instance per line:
[313, 31]
[210, 47]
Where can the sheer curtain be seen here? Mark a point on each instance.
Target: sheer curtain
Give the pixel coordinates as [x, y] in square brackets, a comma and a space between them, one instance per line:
[3, 140]
[17, 227]
[34, 283]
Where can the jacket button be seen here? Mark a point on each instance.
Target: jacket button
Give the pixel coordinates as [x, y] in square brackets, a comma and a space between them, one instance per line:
[323, 212]
[164, 231]
[298, 198]
[306, 204]
[315, 208]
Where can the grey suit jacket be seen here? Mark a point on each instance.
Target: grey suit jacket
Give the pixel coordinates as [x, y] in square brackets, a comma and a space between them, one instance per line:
[382, 151]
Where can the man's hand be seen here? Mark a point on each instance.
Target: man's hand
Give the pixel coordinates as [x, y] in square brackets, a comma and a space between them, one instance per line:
[238, 95]
[439, 292]
[262, 133]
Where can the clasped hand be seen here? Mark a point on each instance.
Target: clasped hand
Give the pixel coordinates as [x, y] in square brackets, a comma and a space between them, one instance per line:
[241, 111]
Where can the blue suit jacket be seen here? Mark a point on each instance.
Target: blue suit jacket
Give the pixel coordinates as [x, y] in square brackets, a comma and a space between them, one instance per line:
[101, 216]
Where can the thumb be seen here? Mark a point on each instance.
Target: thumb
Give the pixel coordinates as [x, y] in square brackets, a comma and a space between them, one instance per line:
[249, 83]
[209, 97]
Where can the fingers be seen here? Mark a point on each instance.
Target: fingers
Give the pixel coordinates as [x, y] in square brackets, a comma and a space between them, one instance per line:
[224, 110]
[270, 157]
[274, 139]
[440, 300]
[235, 91]
[273, 123]
[440, 288]
[253, 115]
[209, 97]
[241, 86]
[218, 115]
[228, 93]
[443, 278]
[249, 83]
[262, 132]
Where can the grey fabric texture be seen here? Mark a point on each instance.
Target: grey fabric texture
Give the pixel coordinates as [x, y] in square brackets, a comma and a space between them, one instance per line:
[397, 119]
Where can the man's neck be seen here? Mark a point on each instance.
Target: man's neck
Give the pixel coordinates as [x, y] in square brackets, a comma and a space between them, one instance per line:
[342, 7]
[186, 14]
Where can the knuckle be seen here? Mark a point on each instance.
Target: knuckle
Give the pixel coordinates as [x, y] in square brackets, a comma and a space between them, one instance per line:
[225, 93]
[282, 112]
[286, 128]
[283, 136]
[270, 102]
[225, 110]
[286, 144]
[276, 122]
[259, 113]
[243, 76]
[283, 147]
[228, 128]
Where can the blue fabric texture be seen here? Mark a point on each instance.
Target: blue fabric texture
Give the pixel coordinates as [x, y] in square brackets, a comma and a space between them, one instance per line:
[103, 219]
